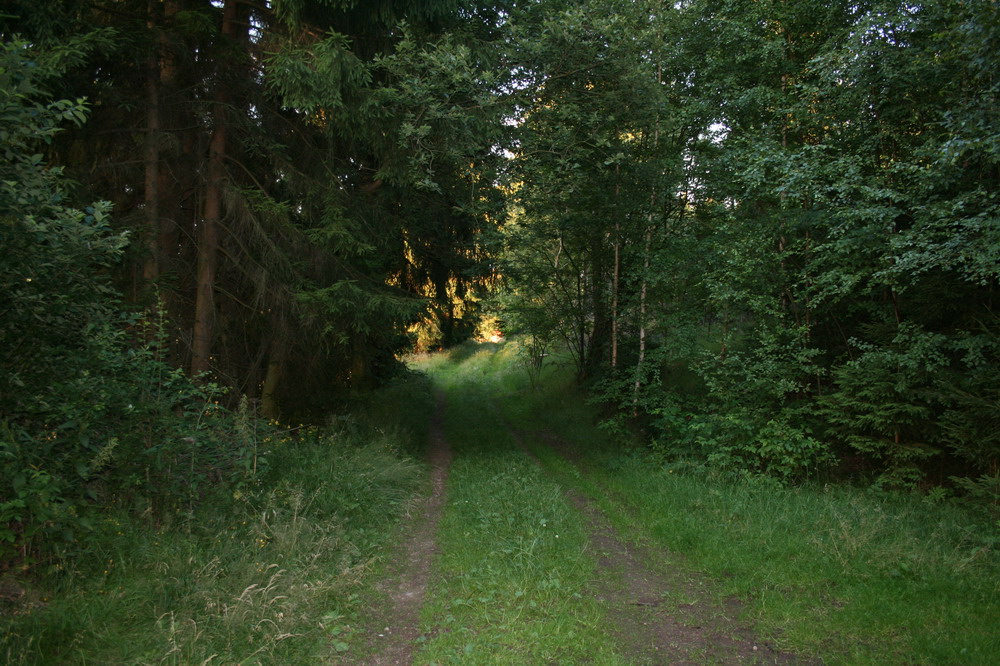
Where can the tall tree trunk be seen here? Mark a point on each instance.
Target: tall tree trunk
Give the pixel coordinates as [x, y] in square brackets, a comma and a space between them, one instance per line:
[615, 276]
[168, 169]
[208, 257]
[614, 296]
[361, 376]
[446, 319]
[151, 157]
[645, 268]
[208, 228]
[600, 331]
[272, 378]
[642, 317]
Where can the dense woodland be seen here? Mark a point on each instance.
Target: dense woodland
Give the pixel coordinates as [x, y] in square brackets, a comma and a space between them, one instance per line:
[767, 233]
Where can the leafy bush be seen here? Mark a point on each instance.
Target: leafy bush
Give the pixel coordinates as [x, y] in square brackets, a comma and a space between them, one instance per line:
[56, 304]
[735, 443]
[263, 574]
[885, 403]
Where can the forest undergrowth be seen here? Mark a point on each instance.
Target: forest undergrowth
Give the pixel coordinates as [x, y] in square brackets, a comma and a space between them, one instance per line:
[270, 573]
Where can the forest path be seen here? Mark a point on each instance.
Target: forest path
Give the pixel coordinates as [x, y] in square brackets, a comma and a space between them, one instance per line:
[653, 609]
[660, 612]
[395, 629]
[562, 543]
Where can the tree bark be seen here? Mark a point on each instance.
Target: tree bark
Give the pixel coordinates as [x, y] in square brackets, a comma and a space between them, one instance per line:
[615, 278]
[647, 248]
[446, 317]
[642, 317]
[151, 195]
[169, 186]
[272, 379]
[361, 376]
[208, 228]
[600, 331]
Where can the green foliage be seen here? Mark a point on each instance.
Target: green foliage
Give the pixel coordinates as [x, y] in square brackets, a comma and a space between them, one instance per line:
[444, 108]
[130, 431]
[91, 412]
[536, 333]
[883, 403]
[815, 180]
[55, 297]
[57, 303]
[330, 85]
[969, 423]
[738, 445]
[347, 149]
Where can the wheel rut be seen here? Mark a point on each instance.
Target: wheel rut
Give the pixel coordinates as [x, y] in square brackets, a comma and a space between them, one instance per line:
[393, 635]
[660, 613]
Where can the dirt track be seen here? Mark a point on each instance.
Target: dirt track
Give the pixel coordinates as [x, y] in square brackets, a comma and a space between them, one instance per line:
[659, 613]
[393, 635]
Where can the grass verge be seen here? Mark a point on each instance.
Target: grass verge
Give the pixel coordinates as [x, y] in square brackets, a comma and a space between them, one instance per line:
[272, 574]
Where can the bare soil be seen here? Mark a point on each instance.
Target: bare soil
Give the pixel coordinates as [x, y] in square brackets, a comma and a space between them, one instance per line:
[392, 636]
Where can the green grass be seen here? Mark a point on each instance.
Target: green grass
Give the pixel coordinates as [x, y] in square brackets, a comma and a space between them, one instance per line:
[844, 574]
[276, 574]
[284, 573]
[850, 576]
[513, 573]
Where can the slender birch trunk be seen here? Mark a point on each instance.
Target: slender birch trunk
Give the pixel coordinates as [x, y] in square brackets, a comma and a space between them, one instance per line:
[642, 315]
[643, 289]
[615, 276]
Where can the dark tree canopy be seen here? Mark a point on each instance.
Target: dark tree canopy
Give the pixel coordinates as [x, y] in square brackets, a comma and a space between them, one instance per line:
[766, 233]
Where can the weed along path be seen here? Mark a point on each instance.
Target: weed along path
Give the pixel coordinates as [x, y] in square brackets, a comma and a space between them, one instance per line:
[394, 633]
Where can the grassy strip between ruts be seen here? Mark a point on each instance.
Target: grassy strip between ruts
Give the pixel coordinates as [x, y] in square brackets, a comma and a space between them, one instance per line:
[513, 571]
[275, 575]
[844, 574]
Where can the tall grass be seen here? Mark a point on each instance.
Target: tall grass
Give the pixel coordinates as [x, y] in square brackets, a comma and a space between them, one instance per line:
[854, 576]
[268, 574]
